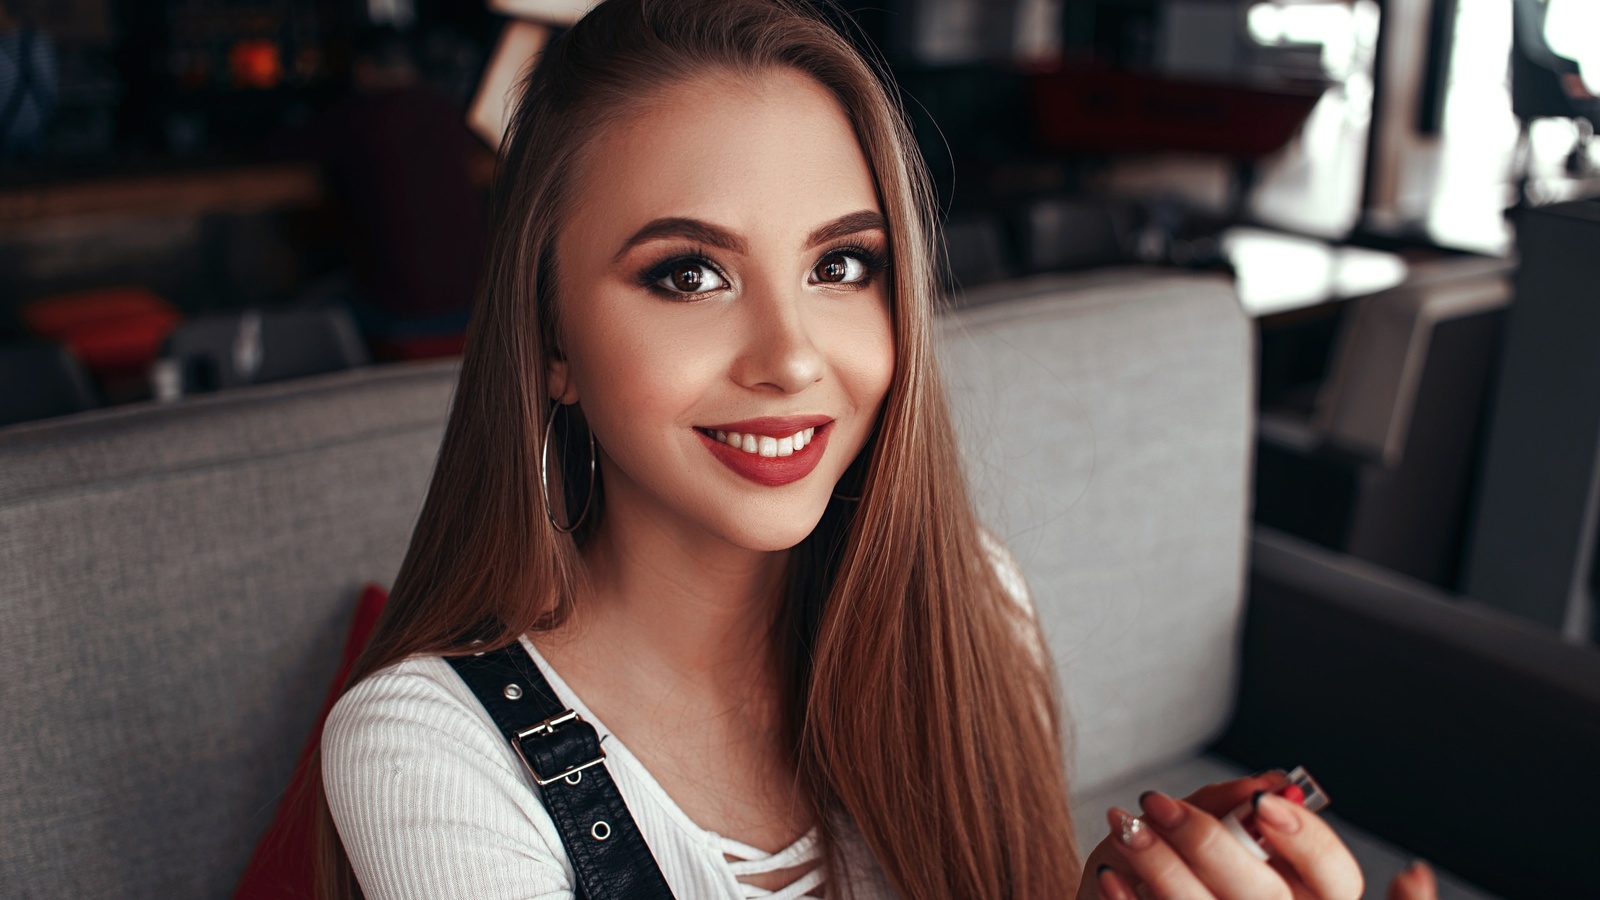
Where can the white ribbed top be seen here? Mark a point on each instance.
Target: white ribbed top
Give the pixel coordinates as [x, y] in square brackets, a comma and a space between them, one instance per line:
[431, 802]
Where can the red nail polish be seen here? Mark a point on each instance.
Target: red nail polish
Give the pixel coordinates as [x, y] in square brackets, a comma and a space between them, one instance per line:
[1298, 787]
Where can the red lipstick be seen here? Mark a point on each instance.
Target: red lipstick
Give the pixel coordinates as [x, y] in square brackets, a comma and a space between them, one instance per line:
[770, 471]
[1298, 787]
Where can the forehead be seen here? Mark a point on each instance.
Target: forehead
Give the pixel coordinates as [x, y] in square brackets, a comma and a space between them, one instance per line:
[769, 155]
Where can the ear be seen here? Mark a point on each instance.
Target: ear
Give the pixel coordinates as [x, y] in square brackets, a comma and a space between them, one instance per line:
[558, 380]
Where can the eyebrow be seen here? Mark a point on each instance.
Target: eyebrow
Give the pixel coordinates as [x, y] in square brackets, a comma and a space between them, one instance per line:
[717, 236]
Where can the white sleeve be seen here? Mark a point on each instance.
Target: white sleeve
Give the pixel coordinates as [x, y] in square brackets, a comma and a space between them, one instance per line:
[1016, 587]
[428, 800]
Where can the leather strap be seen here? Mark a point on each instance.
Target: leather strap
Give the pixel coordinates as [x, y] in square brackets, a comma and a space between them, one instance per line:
[563, 754]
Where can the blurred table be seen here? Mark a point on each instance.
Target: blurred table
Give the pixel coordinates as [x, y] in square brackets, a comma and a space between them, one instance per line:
[237, 189]
[1279, 272]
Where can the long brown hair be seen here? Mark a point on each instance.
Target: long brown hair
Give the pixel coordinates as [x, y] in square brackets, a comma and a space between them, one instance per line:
[912, 702]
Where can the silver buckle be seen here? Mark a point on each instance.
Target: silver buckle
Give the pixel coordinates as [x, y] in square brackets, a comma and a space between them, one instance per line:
[548, 727]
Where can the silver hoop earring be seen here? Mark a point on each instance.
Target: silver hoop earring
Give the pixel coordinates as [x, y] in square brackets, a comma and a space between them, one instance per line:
[544, 478]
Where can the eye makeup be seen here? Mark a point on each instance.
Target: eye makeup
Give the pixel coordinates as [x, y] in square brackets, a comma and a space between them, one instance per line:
[650, 276]
[874, 261]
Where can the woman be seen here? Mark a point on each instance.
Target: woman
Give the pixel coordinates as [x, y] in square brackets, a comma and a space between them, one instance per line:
[711, 284]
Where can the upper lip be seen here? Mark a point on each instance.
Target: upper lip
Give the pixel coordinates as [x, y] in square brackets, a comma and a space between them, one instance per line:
[773, 426]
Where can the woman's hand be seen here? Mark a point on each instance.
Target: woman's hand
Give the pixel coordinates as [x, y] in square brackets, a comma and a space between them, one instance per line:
[1180, 849]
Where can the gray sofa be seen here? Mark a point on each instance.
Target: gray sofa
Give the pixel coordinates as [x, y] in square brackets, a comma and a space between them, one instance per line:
[176, 580]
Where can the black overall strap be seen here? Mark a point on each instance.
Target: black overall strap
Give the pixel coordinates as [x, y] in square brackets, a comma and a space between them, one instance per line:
[563, 754]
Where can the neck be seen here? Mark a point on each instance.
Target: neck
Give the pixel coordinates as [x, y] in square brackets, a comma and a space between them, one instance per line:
[681, 605]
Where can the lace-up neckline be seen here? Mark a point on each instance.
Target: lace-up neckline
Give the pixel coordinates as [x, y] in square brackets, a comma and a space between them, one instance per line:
[746, 860]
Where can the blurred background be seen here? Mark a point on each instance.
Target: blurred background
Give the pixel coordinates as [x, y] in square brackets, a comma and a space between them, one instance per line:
[201, 195]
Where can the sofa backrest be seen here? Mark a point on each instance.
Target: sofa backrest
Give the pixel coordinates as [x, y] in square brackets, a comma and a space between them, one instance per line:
[1108, 426]
[176, 580]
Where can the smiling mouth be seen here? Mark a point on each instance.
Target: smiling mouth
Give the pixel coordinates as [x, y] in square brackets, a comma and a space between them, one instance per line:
[762, 444]
[782, 451]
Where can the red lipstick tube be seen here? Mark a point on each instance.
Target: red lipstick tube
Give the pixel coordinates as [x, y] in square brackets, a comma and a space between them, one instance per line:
[1297, 786]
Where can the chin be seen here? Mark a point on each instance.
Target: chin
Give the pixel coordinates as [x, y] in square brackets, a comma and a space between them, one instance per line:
[764, 530]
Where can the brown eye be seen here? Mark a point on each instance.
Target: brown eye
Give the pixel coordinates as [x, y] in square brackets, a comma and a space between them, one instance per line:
[686, 278]
[690, 277]
[840, 268]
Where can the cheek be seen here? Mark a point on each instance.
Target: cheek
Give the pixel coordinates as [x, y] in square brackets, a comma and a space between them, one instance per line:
[636, 368]
[864, 355]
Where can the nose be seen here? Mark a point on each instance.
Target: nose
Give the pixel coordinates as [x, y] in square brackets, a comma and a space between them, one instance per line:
[779, 353]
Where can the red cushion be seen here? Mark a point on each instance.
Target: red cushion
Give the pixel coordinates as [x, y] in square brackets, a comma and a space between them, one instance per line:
[109, 329]
[283, 864]
[56, 315]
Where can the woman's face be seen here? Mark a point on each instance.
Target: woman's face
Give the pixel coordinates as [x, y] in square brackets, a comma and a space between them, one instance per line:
[720, 276]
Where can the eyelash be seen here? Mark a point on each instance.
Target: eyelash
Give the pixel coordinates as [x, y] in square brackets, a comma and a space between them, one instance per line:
[875, 261]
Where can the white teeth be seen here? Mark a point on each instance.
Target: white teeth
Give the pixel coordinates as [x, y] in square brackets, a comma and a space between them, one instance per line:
[767, 446]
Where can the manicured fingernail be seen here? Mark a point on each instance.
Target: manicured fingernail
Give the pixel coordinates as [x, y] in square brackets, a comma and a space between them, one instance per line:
[1111, 886]
[1417, 865]
[1268, 772]
[1274, 811]
[1131, 831]
[1161, 809]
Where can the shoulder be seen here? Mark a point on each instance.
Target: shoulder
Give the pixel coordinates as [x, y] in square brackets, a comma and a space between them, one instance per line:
[1005, 568]
[1022, 609]
[427, 798]
[405, 708]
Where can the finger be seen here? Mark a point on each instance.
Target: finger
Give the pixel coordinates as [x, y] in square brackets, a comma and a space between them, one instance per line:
[1289, 875]
[1223, 797]
[1152, 860]
[1309, 844]
[1113, 886]
[1215, 855]
[1415, 882]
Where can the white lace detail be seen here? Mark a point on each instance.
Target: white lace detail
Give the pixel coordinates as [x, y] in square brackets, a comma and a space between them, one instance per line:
[744, 860]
